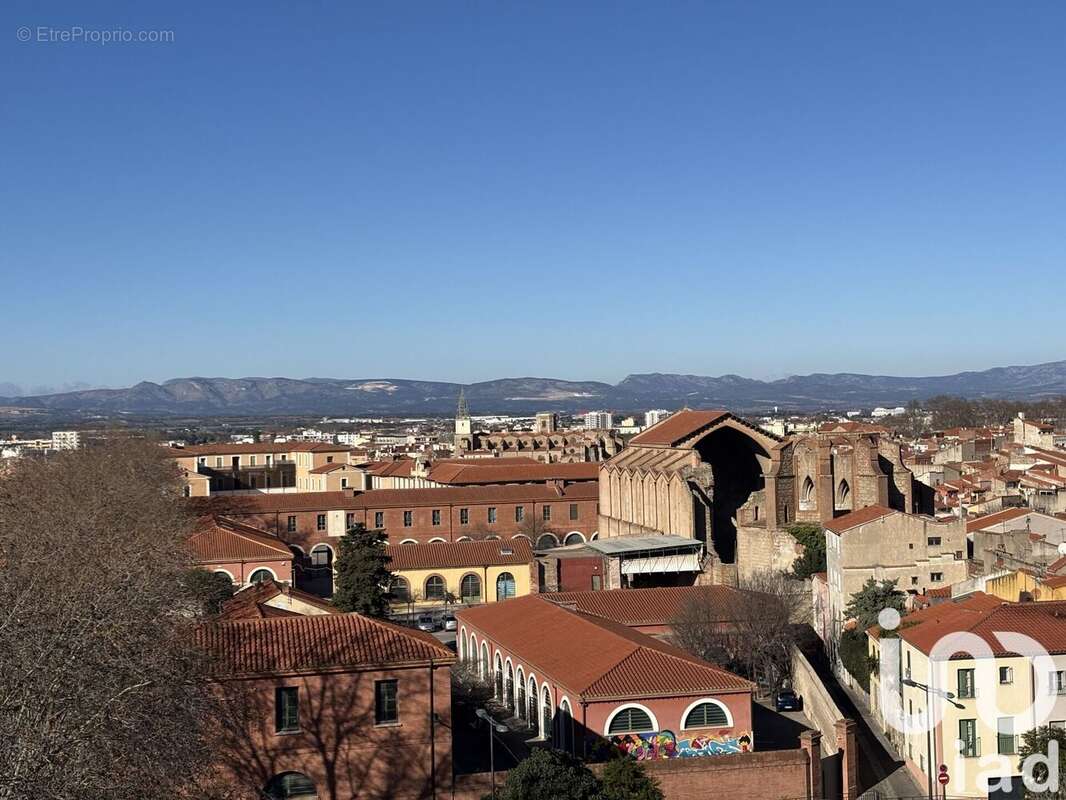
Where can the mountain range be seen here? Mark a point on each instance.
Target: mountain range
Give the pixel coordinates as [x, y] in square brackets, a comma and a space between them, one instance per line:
[399, 397]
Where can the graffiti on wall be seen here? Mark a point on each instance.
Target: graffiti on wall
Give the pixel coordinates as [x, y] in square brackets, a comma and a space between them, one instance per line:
[664, 744]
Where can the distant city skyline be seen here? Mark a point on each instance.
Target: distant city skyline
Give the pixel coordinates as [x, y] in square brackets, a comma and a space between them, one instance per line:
[582, 192]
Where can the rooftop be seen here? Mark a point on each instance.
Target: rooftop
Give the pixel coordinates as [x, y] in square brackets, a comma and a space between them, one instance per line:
[617, 545]
[221, 540]
[442, 555]
[679, 426]
[254, 602]
[658, 606]
[595, 657]
[234, 448]
[859, 517]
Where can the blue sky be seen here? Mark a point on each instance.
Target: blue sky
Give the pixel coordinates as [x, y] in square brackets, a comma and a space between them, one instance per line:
[471, 190]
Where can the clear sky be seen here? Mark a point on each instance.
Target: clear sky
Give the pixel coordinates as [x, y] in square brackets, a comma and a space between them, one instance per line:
[469, 190]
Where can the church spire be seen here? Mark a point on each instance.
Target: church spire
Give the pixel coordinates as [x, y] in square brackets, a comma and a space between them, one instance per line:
[462, 412]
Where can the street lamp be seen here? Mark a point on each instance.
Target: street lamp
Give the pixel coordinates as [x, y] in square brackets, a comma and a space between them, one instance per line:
[493, 726]
[929, 724]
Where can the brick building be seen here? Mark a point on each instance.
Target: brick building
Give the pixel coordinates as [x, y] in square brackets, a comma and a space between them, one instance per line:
[242, 552]
[581, 681]
[336, 705]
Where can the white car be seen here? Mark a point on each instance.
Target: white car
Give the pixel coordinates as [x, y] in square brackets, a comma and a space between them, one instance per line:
[450, 622]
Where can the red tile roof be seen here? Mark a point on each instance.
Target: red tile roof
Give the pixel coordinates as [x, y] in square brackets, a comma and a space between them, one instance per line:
[469, 473]
[1044, 622]
[856, 518]
[221, 540]
[850, 427]
[658, 606]
[311, 644]
[326, 468]
[443, 555]
[960, 608]
[679, 426]
[233, 448]
[989, 520]
[252, 602]
[595, 657]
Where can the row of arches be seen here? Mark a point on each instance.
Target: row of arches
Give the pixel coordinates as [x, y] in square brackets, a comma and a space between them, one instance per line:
[518, 690]
[435, 587]
[809, 497]
[546, 541]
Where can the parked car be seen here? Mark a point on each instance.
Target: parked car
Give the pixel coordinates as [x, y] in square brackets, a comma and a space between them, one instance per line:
[787, 700]
[426, 623]
[450, 622]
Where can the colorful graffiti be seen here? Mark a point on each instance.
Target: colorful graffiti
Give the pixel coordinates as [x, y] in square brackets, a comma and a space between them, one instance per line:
[664, 744]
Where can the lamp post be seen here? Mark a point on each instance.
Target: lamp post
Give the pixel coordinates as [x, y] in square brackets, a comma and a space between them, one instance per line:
[493, 727]
[929, 725]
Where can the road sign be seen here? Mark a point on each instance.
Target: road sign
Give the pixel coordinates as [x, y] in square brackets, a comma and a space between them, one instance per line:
[943, 776]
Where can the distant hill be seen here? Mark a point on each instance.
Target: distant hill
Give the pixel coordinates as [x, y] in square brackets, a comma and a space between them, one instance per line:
[392, 396]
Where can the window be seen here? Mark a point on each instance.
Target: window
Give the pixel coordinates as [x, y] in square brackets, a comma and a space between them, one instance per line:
[259, 576]
[290, 786]
[546, 513]
[914, 580]
[966, 689]
[290, 524]
[597, 583]
[843, 493]
[186, 491]
[218, 461]
[286, 709]
[320, 522]
[251, 461]
[492, 514]
[379, 520]
[408, 518]
[321, 556]
[349, 520]
[329, 459]
[807, 498]
[1005, 736]
[630, 719]
[400, 590]
[1006, 675]
[519, 513]
[505, 586]
[1058, 682]
[464, 516]
[436, 516]
[470, 589]
[936, 576]
[435, 587]
[706, 715]
[968, 738]
[344, 483]
[933, 541]
[573, 511]
[385, 708]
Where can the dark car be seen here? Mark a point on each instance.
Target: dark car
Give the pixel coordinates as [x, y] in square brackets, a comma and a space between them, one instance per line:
[787, 700]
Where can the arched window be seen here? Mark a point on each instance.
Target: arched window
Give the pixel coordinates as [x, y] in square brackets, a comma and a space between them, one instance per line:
[566, 727]
[483, 664]
[520, 702]
[546, 715]
[707, 714]
[435, 588]
[497, 685]
[400, 590]
[471, 651]
[260, 575]
[462, 646]
[807, 496]
[321, 556]
[843, 492]
[290, 785]
[630, 719]
[508, 694]
[546, 541]
[470, 589]
[505, 586]
[574, 537]
[531, 697]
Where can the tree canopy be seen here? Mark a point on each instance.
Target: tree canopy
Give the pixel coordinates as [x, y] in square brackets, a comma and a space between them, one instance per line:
[362, 572]
[872, 599]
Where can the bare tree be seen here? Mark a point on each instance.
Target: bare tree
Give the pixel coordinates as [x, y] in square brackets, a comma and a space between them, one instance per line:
[756, 635]
[100, 683]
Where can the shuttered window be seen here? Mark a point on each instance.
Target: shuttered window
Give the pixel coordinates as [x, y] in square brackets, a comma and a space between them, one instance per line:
[706, 715]
[631, 720]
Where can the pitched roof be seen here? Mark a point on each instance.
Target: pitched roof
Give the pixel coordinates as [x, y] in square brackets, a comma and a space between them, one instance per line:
[990, 520]
[444, 555]
[956, 609]
[325, 468]
[1044, 622]
[312, 644]
[220, 540]
[236, 448]
[679, 426]
[854, 519]
[657, 606]
[593, 656]
[253, 601]
[470, 472]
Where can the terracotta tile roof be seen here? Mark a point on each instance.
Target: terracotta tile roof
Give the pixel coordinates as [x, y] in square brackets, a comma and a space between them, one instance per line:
[244, 604]
[232, 448]
[442, 555]
[860, 517]
[658, 606]
[471, 473]
[679, 426]
[850, 427]
[311, 644]
[1044, 622]
[967, 606]
[220, 540]
[594, 657]
[989, 520]
[326, 468]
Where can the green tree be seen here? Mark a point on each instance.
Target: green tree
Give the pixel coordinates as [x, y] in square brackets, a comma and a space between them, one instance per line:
[871, 600]
[812, 537]
[625, 779]
[213, 589]
[363, 575]
[1036, 741]
[550, 775]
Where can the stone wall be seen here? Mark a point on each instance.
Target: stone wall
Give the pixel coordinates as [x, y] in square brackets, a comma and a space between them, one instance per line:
[760, 549]
[818, 706]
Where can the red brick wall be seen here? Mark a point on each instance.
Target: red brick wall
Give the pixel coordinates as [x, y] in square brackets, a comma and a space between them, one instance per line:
[240, 571]
[575, 574]
[339, 746]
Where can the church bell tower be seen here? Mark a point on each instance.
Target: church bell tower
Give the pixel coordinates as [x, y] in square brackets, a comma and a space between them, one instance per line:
[464, 438]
